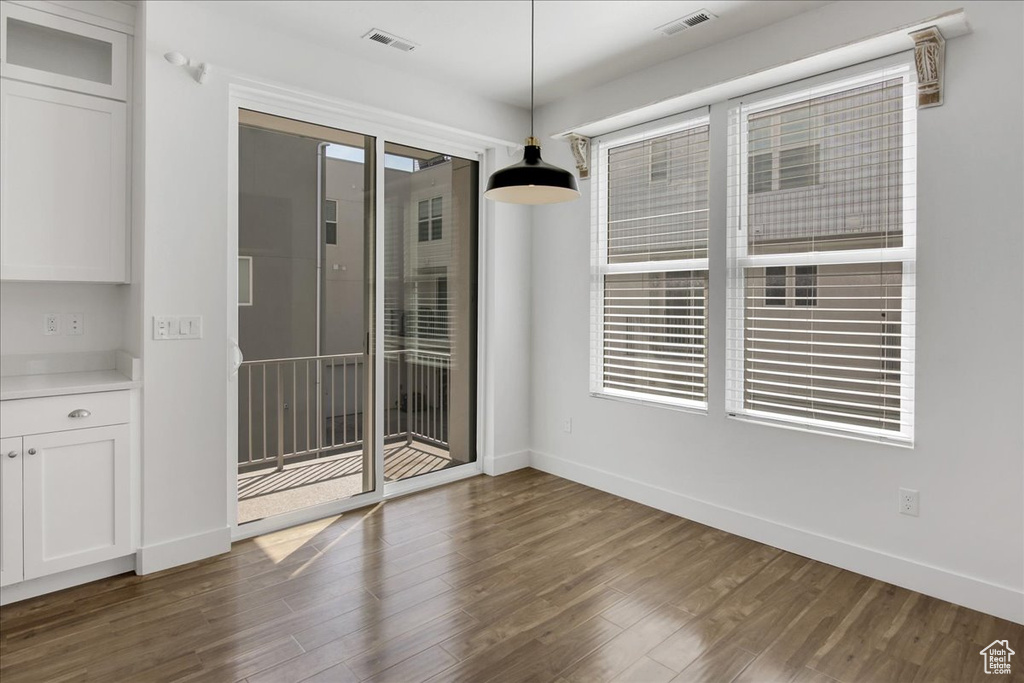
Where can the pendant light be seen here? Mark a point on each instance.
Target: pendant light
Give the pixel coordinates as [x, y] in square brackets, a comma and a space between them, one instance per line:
[532, 180]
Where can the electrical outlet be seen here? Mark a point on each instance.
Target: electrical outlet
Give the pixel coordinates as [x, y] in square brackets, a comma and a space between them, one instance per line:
[74, 324]
[909, 502]
[51, 324]
[567, 426]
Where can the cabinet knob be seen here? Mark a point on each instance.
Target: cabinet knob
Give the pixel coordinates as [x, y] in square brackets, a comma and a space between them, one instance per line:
[12, 454]
[31, 451]
[81, 412]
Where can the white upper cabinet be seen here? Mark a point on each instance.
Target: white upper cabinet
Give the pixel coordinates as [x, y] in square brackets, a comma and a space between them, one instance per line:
[63, 53]
[64, 162]
[64, 167]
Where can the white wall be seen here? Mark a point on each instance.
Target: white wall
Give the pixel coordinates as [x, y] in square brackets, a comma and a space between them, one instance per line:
[24, 305]
[506, 313]
[829, 497]
[185, 251]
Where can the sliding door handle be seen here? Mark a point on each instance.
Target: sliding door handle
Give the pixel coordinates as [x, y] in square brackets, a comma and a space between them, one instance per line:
[239, 357]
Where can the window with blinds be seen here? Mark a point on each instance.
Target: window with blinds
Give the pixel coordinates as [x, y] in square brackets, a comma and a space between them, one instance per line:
[650, 265]
[822, 210]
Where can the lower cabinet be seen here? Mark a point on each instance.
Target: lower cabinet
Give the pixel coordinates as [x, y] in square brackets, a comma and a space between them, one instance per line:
[11, 565]
[66, 501]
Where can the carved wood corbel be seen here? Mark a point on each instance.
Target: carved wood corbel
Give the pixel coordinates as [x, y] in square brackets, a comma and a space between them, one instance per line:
[581, 152]
[930, 59]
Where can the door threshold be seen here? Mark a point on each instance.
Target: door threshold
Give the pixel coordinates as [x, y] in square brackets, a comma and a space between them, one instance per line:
[287, 520]
[396, 489]
[392, 490]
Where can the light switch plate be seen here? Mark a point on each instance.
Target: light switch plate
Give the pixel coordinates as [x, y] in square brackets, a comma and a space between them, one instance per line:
[177, 327]
[190, 327]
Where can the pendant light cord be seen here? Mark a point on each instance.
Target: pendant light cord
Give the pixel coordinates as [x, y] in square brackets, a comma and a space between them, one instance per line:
[533, 28]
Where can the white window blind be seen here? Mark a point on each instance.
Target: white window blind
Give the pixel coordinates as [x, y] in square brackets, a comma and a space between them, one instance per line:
[650, 265]
[822, 234]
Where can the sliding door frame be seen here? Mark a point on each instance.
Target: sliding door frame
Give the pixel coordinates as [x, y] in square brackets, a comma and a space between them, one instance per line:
[383, 128]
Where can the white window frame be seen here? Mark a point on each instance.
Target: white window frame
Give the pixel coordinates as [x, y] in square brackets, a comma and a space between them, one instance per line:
[739, 260]
[600, 267]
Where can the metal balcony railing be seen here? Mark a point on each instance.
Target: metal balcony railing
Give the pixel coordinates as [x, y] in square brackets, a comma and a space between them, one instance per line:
[312, 406]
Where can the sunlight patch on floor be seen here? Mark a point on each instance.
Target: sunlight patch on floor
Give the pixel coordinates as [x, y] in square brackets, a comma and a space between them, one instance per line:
[308, 563]
[279, 551]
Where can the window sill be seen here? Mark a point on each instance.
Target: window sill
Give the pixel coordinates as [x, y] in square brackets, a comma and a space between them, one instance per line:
[690, 407]
[896, 440]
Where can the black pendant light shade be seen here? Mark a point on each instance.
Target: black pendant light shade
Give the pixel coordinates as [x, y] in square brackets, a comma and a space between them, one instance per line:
[532, 181]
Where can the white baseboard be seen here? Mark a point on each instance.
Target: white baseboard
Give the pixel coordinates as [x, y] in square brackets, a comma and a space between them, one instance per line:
[509, 462]
[984, 596]
[72, 577]
[154, 558]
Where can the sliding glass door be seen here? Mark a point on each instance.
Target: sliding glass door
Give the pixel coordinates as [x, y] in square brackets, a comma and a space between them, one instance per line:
[314, 425]
[430, 303]
[305, 299]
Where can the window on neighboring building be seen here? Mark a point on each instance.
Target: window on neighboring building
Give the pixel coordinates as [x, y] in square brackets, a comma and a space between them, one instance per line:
[331, 221]
[659, 161]
[429, 219]
[782, 150]
[806, 290]
[821, 299]
[649, 313]
[428, 292]
[441, 308]
[798, 167]
[775, 286]
[760, 173]
[245, 280]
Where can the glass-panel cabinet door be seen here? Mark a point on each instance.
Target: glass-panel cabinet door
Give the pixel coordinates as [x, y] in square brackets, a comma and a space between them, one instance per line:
[55, 51]
[430, 303]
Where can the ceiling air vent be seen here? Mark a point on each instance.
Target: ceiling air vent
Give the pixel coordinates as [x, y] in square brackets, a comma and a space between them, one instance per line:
[689, 21]
[390, 39]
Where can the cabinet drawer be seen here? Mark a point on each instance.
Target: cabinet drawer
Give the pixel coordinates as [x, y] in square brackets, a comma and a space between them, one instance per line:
[53, 413]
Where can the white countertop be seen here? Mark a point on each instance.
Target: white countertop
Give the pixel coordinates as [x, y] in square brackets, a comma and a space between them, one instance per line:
[63, 384]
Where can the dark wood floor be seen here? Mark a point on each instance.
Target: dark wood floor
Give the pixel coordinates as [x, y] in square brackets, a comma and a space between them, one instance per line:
[524, 577]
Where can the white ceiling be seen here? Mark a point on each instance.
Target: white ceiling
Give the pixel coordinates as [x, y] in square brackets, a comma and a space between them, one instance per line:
[484, 46]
